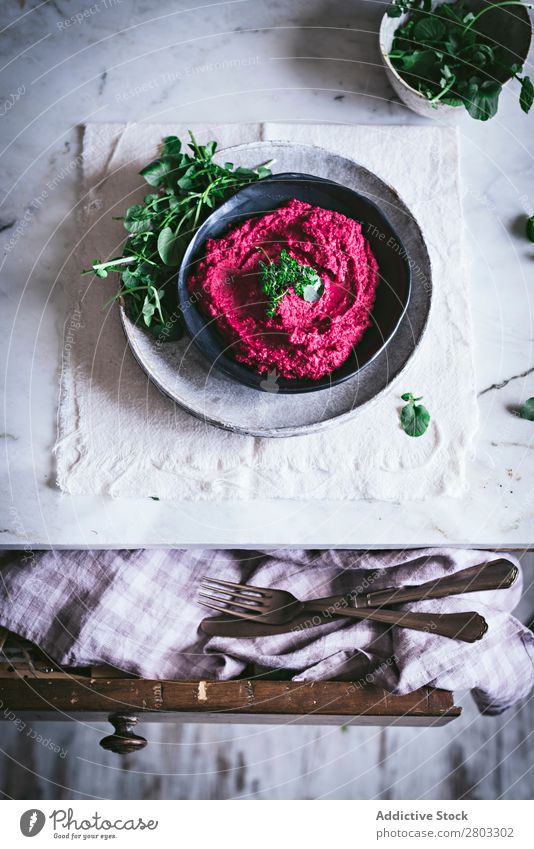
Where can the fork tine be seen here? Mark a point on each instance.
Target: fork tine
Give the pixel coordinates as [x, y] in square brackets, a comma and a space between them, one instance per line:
[232, 593]
[254, 607]
[225, 610]
[260, 590]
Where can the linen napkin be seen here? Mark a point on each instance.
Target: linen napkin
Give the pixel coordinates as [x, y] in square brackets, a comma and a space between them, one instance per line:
[119, 436]
[137, 611]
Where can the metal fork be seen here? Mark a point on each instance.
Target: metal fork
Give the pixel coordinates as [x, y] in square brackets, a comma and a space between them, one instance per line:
[279, 607]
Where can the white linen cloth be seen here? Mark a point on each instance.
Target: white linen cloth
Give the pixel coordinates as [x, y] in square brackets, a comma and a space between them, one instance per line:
[119, 436]
[137, 610]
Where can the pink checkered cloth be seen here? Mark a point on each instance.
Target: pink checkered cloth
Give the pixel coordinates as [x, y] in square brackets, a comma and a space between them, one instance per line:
[136, 610]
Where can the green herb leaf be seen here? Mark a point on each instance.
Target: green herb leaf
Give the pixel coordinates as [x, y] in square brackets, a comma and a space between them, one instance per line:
[419, 63]
[526, 410]
[414, 418]
[129, 280]
[262, 171]
[170, 247]
[530, 228]
[156, 172]
[429, 29]
[172, 146]
[137, 219]
[149, 309]
[100, 272]
[526, 97]
[483, 100]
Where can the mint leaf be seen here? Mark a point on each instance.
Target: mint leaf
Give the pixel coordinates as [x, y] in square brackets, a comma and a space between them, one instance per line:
[530, 228]
[414, 418]
[526, 410]
[311, 292]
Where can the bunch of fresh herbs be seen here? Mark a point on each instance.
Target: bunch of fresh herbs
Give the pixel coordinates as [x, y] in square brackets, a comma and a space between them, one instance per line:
[441, 53]
[278, 278]
[188, 186]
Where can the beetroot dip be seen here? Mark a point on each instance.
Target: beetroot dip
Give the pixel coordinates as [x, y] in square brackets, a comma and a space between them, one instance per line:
[303, 340]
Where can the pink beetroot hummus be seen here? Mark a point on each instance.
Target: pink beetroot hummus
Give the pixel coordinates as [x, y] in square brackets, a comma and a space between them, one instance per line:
[303, 340]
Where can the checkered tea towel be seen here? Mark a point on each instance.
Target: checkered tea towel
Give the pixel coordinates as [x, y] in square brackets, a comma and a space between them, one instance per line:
[137, 611]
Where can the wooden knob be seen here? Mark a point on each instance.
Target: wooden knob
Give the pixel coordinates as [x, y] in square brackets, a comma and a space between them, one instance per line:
[124, 740]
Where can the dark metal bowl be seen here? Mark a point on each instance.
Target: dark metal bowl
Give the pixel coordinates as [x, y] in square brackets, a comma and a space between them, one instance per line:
[392, 294]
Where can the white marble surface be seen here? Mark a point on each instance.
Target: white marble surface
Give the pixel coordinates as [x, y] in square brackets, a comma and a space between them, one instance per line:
[247, 60]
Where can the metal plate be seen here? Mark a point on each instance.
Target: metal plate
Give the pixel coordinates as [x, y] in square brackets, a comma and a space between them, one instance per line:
[182, 373]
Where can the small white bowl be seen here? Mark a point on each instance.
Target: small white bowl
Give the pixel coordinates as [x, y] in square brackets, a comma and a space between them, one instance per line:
[412, 98]
[515, 32]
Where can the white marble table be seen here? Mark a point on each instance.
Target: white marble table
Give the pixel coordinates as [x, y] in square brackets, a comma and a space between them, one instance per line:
[245, 61]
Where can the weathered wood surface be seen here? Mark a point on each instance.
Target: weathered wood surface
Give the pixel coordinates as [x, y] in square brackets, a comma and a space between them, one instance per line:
[53, 699]
[473, 757]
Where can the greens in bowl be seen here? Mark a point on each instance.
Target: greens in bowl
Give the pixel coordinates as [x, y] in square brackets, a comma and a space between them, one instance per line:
[461, 53]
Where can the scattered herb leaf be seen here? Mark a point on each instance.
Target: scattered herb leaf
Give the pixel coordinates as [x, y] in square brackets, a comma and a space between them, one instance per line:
[414, 418]
[189, 186]
[278, 278]
[526, 96]
[526, 410]
[530, 228]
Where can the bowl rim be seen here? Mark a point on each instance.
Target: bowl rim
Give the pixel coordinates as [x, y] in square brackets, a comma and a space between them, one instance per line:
[245, 375]
[443, 107]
